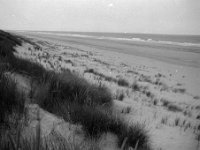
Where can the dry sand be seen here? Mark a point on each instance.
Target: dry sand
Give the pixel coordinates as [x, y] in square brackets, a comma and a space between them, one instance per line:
[168, 99]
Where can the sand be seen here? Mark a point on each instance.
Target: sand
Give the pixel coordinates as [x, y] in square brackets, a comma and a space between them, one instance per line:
[168, 99]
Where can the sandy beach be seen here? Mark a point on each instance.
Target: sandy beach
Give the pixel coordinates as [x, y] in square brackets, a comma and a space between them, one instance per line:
[99, 75]
[181, 55]
[163, 84]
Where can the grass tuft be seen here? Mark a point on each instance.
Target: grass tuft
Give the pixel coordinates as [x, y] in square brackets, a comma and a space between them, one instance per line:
[122, 82]
[10, 99]
[68, 87]
[174, 108]
[135, 86]
[98, 122]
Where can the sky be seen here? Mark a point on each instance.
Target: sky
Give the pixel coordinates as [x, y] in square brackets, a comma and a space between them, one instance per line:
[136, 16]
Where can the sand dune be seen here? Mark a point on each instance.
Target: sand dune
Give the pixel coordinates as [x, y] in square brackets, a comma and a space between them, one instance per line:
[160, 86]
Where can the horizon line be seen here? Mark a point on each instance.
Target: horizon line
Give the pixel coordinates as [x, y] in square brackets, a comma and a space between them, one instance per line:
[99, 32]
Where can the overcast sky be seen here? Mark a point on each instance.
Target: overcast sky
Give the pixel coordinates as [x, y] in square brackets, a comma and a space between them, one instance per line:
[140, 16]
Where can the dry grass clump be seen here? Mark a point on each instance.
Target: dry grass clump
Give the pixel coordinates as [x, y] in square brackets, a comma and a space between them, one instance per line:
[11, 101]
[68, 87]
[12, 104]
[99, 122]
[126, 110]
[164, 120]
[196, 97]
[24, 66]
[135, 136]
[7, 42]
[174, 108]
[177, 121]
[135, 86]
[179, 90]
[149, 94]
[106, 78]
[76, 100]
[122, 82]
[144, 78]
[155, 101]
[14, 140]
[9, 38]
[165, 102]
[75, 103]
[170, 106]
[120, 95]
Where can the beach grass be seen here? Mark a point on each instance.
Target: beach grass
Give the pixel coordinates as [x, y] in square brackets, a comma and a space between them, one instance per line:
[64, 94]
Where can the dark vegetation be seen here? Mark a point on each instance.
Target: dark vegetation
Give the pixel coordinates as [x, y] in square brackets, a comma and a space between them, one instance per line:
[135, 86]
[155, 101]
[196, 97]
[120, 95]
[84, 105]
[179, 90]
[120, 82]
[170, 106]
[126, 110]
[67, 87]
[165, 102]
[100, 121]
[174, 108]
[106, 78]
[177, 121]
[64, 94]
[11, 100]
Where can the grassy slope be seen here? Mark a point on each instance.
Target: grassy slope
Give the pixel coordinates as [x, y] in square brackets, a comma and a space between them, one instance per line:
[66, 93]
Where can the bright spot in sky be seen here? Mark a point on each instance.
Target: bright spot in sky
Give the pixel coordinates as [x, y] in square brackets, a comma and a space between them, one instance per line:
[110, 5]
